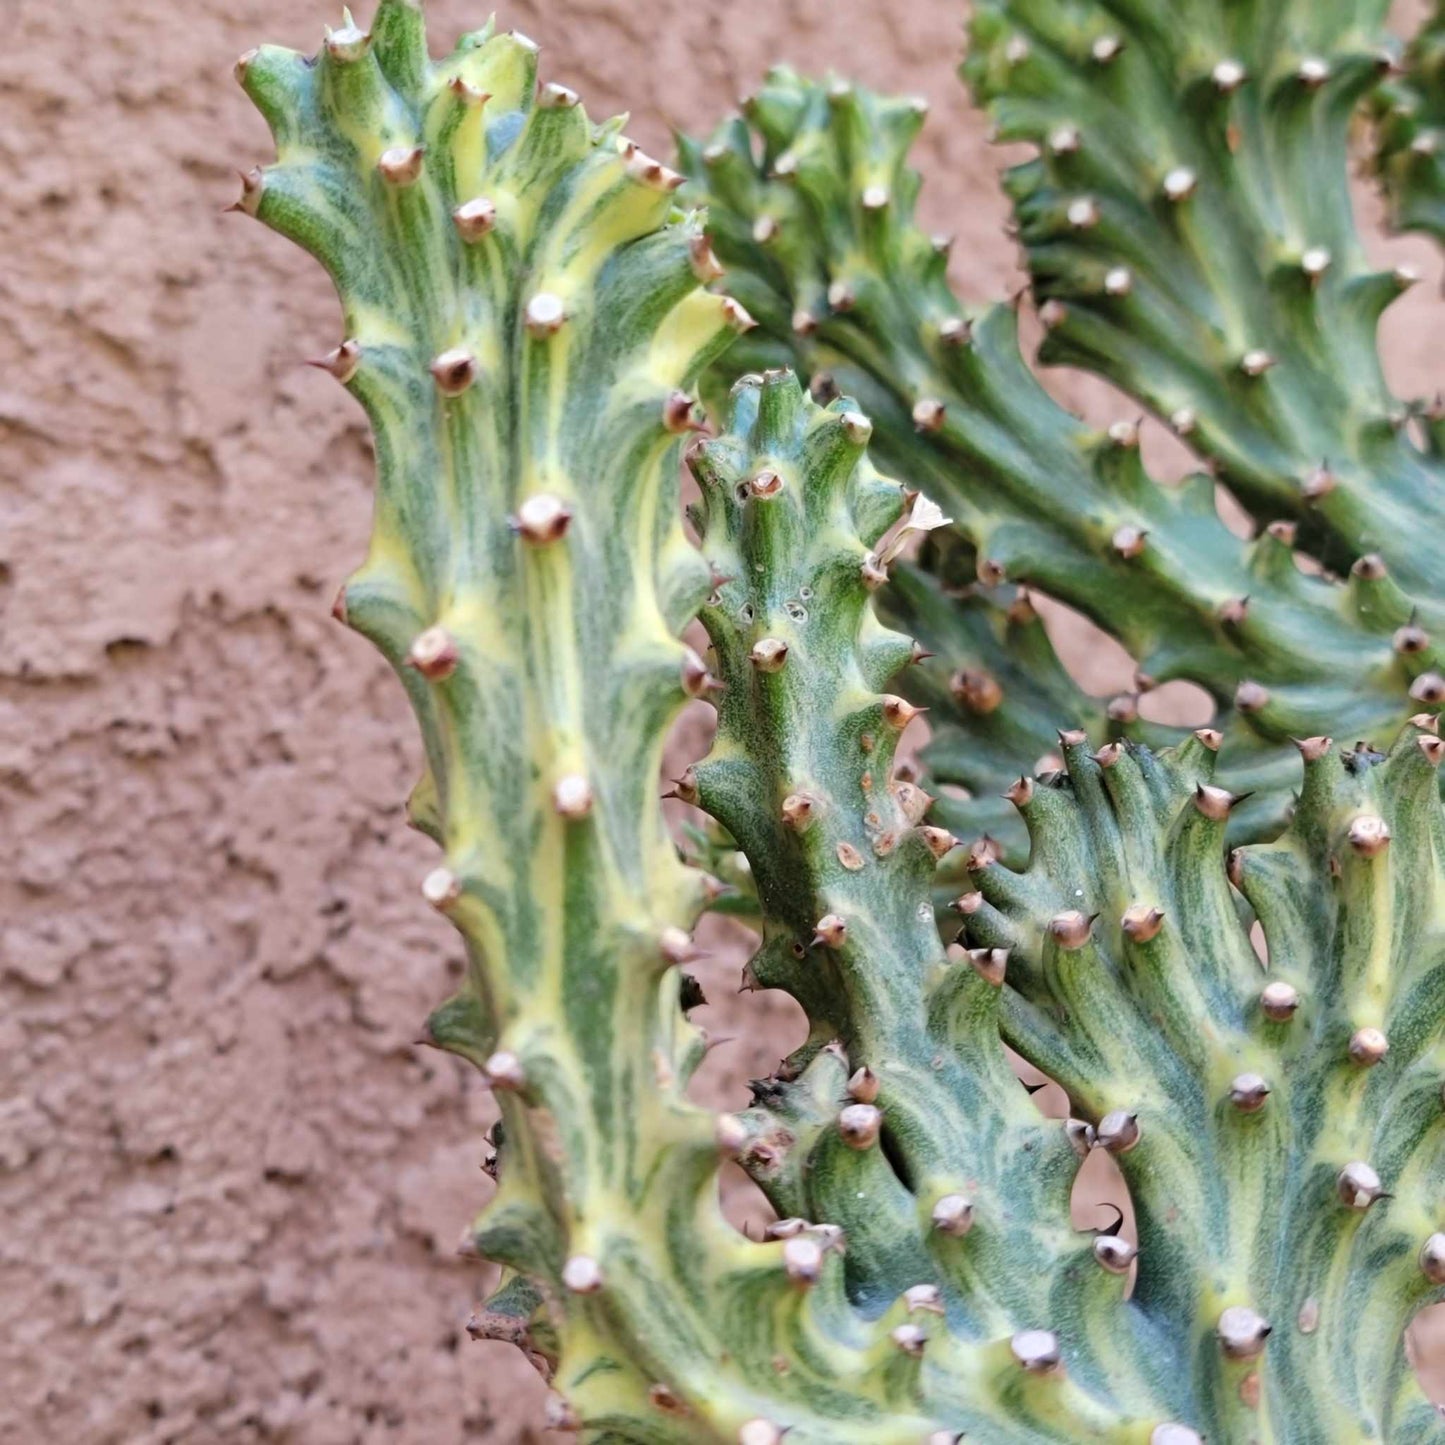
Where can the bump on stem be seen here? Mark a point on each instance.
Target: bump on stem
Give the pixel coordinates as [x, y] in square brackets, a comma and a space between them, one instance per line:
[1037, 1351]
[1118, 1131]
[1358, 1185]
[1242, 1333]
[859, 1125]
[953, 1215]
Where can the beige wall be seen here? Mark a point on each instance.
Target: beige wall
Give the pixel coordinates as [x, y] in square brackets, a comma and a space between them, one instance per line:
[230, 1187]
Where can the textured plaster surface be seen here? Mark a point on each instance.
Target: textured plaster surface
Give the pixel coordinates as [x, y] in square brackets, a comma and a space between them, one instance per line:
[231, 1187]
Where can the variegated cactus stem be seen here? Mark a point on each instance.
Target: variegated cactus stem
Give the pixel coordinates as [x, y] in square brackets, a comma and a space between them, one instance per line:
[524, 321]
[1247, 1107]
[1409, 112]
[1279, 1127]
[1188, 225]
[811, 207]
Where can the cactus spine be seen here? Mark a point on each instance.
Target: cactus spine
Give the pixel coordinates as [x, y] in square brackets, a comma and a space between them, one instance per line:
[525, 321]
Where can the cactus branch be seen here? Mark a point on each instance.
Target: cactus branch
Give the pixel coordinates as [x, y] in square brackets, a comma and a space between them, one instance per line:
[1279, 1126]
[1211, 156]
[1409, 111]
[898, 1128]
[859, 295]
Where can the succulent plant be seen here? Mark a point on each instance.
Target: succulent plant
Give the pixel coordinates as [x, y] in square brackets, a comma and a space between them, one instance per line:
[526, 320]
[1251, 304]
[1259, 1116]
[523, 316]
[1243, 1105]
[811, 208]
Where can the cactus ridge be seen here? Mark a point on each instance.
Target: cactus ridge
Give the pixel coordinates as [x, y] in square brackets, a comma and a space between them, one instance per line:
[810, 206]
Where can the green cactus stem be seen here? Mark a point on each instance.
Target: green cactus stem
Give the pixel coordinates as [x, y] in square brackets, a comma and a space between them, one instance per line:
[1249, 1109]
[897, 1133]
[811, 203]
[1409, 112]
[802, 776]
[1279, 1128]
[523, 319]
[1205, 160]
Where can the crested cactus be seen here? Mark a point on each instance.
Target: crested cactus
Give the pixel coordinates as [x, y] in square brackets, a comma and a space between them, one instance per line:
[523, 316]
[527, 318]
[1247, 1108]
[811, 204]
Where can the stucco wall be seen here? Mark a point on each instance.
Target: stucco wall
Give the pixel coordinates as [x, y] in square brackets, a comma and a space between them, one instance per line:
[230, 1187]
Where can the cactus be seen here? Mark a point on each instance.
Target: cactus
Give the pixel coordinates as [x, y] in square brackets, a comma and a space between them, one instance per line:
[811, 204]
[802, 776]
[1244, 1106]
[1410, 114]
[526, 322]
[1251, 304]
[1261, 1119]
[523, 316]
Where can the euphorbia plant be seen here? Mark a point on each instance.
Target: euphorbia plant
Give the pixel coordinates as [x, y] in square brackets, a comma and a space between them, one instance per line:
[528, 310]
